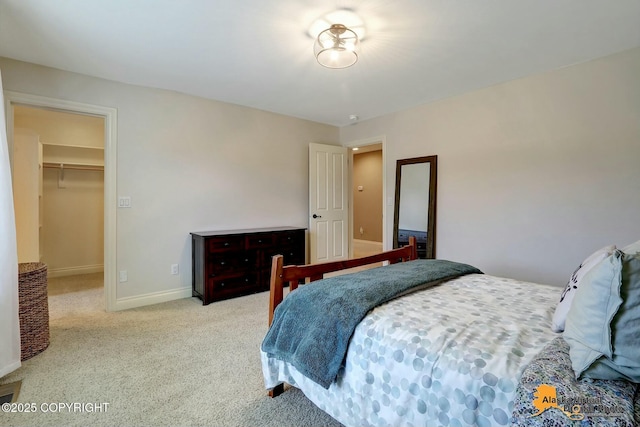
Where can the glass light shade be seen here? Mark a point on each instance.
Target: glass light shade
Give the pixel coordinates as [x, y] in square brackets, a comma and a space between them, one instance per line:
[336, 47]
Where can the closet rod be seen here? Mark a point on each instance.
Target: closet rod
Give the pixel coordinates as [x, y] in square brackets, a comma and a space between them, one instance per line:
[75, 166]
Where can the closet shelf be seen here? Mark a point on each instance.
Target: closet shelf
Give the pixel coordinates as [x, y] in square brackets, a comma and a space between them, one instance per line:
[70, 146]
[74, 166]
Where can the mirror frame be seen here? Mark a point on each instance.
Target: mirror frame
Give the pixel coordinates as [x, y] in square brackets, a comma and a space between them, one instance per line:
[431, 208]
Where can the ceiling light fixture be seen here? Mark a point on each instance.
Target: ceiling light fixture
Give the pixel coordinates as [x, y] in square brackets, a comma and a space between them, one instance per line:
[336, 47]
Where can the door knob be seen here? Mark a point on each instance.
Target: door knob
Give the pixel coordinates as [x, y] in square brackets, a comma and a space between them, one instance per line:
[317, 216]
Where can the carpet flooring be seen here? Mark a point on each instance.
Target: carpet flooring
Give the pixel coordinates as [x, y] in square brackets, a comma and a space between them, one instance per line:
[173, 364]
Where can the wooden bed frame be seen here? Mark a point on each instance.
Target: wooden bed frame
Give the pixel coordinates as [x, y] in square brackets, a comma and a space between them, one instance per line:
[298, 274]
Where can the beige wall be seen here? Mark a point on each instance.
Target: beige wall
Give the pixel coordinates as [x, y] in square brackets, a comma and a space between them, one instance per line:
[367, 204]
[188, 164]
[73, 222]
[27, 193]
[533, 174]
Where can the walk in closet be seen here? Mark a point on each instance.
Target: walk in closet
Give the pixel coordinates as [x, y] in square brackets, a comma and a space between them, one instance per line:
[58, 175]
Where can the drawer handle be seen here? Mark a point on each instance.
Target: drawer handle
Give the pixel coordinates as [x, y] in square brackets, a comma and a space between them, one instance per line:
[222, 263]
[226, 243]
[222, 284]
[259, 240]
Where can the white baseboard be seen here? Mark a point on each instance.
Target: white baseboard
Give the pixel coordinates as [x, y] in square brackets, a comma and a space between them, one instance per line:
[11, 367]
[152, 298]
[73, 271]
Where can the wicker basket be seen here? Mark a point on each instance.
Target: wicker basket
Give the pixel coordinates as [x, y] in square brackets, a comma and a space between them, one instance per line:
[33, 308]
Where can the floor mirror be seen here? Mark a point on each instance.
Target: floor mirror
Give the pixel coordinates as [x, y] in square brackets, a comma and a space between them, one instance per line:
[415, 204]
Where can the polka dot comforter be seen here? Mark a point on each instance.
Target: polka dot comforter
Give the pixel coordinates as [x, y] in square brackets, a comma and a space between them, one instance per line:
[449, 355]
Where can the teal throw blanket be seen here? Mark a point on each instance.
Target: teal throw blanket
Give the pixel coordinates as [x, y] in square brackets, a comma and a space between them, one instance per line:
[312, 326]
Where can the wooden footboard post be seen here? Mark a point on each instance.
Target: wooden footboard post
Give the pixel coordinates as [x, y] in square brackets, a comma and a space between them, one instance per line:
[414, 247]
[276, 391]
[275, 297]
[276, 285]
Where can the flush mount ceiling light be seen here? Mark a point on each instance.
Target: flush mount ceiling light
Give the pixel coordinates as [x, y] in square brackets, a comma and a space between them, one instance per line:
[336, 47]
[337, 36]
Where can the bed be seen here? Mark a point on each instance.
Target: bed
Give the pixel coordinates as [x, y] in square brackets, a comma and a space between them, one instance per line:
[462, 349]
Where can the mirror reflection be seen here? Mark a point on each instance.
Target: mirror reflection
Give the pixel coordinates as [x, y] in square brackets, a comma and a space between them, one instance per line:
[415, 204]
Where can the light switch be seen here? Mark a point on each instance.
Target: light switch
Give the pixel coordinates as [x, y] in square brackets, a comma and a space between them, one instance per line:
[124, 202]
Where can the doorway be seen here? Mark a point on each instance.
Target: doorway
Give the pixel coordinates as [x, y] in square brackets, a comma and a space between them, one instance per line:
[68, 208]
[367, 176]
[108, 116]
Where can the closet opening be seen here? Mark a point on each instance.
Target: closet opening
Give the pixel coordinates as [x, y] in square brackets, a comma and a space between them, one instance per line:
[59, 188]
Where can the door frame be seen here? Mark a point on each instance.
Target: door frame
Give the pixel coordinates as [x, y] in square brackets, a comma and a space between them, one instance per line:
[382, 140]
[110, 159]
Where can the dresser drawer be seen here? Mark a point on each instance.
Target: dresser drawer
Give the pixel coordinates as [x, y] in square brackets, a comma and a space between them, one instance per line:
[224, 263]
[293, 257]
[225, 243]
[233, 283]
[259, 240]
[290, 238]
[290, 255]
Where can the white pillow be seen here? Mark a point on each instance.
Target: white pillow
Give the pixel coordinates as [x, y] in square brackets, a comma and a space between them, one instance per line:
[562, 309]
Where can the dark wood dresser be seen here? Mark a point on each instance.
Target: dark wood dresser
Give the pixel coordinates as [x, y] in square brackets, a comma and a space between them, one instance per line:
[231, 263]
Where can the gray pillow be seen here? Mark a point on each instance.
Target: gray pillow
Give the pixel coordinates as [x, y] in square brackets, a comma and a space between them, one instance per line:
[625, 329]
[603, 324]
[587, 329]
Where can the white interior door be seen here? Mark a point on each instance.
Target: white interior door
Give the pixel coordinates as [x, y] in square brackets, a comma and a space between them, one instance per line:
[328, 203]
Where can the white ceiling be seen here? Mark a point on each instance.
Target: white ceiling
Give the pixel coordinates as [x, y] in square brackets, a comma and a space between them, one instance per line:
[257, 53]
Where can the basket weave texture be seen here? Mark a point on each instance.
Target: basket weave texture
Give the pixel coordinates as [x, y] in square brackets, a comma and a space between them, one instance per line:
[33, 308]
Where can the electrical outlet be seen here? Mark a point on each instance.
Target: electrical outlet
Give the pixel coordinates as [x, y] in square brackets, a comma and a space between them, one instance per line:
[123, 276]
[175, 268]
